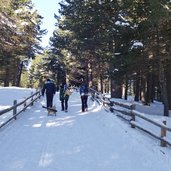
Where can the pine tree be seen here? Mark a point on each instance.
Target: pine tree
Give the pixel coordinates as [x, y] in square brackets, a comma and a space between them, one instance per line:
[21, 33]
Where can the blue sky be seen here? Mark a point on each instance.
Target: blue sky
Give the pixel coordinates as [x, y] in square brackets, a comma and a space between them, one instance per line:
[47, 9]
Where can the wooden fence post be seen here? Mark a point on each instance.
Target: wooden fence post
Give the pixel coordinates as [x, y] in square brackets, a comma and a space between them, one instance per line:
[163, 134]
[103, 101]
[111, 106]
[39, 94]
[32, 99]
[15, 109]
[25, 104]
[133, 116]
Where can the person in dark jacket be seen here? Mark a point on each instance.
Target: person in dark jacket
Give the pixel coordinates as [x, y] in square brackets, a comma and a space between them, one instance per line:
[50, 89]
[64, 97]
[84, 96]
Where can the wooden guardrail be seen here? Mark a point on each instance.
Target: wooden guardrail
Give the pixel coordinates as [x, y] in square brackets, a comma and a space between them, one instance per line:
[26, 103]
[130, 111]
[162, 127]
[100, 98]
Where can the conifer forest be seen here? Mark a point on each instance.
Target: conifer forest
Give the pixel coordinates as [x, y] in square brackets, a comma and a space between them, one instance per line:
[121, 47]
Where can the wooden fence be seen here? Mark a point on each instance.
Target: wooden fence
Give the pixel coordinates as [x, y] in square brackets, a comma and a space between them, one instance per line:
[29, 101]
[129, 110]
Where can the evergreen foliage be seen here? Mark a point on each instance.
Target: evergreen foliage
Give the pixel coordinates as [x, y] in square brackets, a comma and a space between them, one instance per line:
[120, 46]
[20, 38]
[125, 42]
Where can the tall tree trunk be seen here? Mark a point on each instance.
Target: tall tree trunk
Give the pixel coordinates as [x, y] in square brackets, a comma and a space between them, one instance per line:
[163, 86]
[112, 88]
[152, 89]
[20, 69]
[126, 88]
[168, 76]
[7, 78]
[143, 89]
[168, 81]
[101, 83]
[116, 89]
[162, 77]
[149, 89]
[90, 75]
[137, 88]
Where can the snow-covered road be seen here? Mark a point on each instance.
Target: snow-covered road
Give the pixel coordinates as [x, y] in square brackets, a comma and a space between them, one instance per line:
[91, 141]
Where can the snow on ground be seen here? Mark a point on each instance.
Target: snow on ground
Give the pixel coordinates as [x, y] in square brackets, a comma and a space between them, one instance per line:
[7, 97]
[9, 94]
[91, 141]
[153, 112]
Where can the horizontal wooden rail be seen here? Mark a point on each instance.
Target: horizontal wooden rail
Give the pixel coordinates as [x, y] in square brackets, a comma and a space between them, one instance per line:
[140, 115]
[129, 110]
[162, 139]
[125, 105]
[26, 104]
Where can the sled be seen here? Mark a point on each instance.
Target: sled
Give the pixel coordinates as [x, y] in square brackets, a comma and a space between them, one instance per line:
[50, 110]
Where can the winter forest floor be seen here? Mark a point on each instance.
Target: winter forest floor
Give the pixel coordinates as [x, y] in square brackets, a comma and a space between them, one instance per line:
[74, 141]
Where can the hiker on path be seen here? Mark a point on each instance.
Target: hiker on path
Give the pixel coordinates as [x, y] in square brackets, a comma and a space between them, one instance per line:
[84, 96]
[64, 94]
[50, 89]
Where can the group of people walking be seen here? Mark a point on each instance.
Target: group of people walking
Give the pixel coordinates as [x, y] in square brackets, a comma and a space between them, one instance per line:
[49, 89]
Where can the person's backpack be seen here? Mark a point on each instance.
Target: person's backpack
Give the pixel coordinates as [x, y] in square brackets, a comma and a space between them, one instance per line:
[67, 92]
[86, 90]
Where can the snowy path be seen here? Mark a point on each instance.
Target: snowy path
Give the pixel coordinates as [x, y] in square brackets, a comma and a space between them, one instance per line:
[75, 141]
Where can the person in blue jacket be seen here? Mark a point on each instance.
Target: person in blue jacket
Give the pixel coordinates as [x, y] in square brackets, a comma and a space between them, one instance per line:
[84, 96]
[50, 89]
